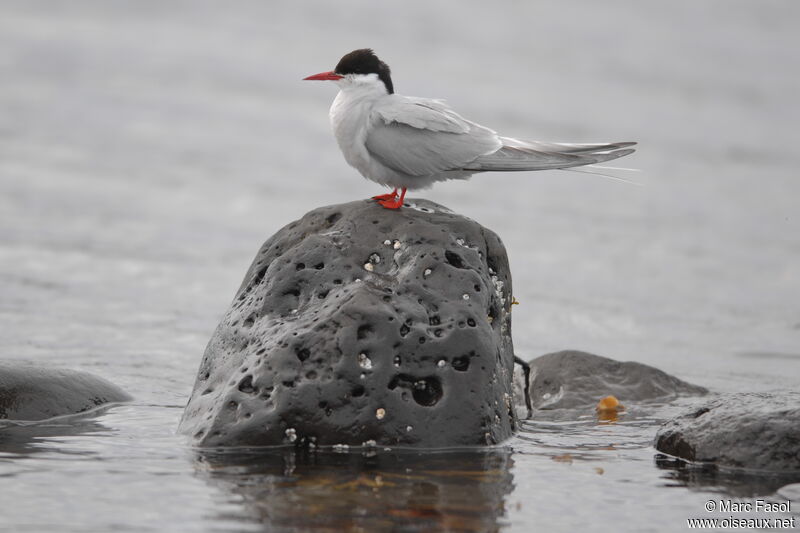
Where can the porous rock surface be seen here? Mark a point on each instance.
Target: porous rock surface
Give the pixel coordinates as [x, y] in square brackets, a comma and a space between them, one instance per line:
[571, 379]
[748, 430]
[31, 392]
[358, 325]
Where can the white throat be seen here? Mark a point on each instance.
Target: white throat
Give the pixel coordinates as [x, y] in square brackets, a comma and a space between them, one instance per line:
[350, 115]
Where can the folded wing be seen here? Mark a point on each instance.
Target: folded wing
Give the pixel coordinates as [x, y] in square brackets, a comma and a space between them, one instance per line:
[422, 137]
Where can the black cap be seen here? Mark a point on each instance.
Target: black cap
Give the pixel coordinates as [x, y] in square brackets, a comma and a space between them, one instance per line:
[364, 61]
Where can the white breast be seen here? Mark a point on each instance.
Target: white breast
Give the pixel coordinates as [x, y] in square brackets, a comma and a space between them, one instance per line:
[350, 117]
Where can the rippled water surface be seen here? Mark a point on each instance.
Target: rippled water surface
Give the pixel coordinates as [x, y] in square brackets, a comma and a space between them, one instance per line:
[148, 149]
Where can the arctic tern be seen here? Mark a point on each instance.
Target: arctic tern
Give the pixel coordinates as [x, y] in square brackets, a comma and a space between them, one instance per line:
[406, 142]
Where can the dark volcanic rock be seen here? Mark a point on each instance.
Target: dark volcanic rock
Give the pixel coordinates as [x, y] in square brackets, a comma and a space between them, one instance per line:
[29, 392]
[750, 430]
[357, 324]
[571, 379]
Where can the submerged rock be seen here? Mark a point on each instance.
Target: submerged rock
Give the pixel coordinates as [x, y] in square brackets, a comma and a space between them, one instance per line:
[571, 379]
[357, 325]
[30, 392]
[749, 430]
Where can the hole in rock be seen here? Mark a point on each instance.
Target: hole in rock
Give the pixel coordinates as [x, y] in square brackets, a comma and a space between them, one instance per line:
[454, 259]
[425, 391]
[259, 276]
[364, 331]
[302, 353]
[300, 266]
[461, 363]
[246, 385]
[357, 391]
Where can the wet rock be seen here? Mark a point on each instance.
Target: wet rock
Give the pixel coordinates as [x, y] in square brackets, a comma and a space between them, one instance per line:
[30, 392]
[571, 379]
[749, 430]
[357, 325]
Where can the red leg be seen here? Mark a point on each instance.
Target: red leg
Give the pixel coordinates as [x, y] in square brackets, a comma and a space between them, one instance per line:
[394, 204]
[391, 196]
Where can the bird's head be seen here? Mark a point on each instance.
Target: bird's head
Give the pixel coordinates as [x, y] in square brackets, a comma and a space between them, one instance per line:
[359, 67]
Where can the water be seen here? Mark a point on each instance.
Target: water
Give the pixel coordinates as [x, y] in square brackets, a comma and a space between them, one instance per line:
[146, 151]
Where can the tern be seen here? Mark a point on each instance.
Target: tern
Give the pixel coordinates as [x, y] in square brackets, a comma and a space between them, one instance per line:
[406, 142]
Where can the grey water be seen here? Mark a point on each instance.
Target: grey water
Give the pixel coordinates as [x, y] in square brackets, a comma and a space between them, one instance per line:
[148, 149]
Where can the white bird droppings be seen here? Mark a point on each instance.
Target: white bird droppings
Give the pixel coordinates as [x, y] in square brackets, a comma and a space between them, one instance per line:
[364, 361]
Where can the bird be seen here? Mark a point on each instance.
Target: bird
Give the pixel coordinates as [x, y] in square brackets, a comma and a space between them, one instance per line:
[409, 143]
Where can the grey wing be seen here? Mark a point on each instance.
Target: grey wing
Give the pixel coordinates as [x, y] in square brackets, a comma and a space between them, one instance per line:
[422, 113]
[422, 137]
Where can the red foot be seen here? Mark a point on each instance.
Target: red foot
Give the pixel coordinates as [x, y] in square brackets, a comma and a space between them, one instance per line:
[392, 202]
[390, 196]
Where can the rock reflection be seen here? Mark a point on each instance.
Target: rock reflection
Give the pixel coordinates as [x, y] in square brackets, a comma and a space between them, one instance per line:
[24, 439]
[736, 482]
[284, 489]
